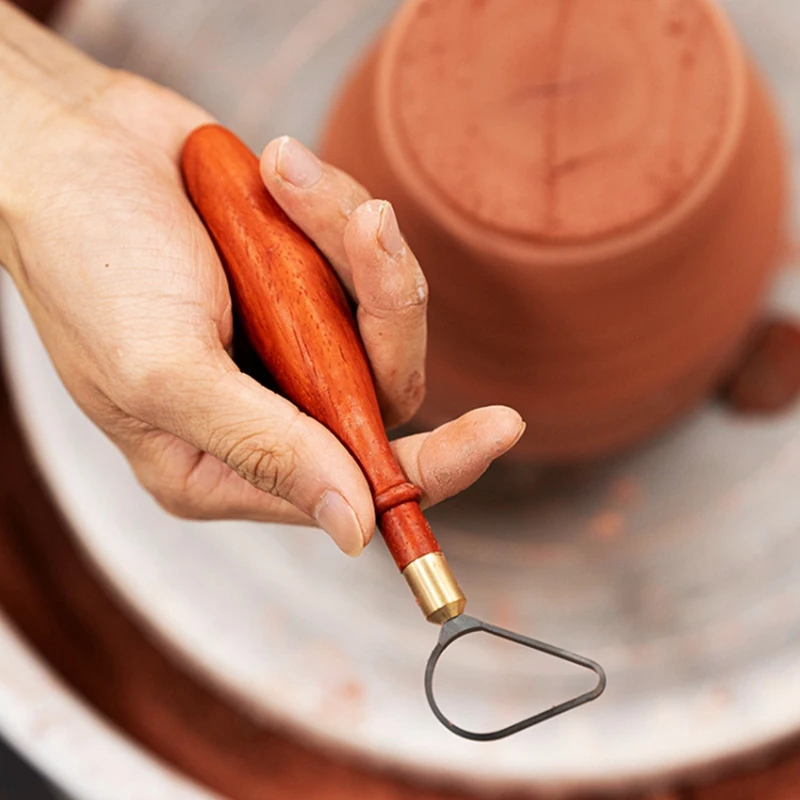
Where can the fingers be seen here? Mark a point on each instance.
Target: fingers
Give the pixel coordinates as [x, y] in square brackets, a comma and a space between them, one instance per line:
[318, 197]
[447, 460]
[265, 440]
[392, 304]
[362, 240]
[195, 485]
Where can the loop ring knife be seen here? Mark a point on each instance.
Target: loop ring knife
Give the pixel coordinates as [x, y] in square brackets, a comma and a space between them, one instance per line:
[297, 317]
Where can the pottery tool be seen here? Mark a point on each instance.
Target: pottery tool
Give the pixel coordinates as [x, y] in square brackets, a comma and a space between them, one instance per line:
[297, 317]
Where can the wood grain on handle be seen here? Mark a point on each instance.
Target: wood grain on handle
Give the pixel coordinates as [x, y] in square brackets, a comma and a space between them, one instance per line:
[297, 317]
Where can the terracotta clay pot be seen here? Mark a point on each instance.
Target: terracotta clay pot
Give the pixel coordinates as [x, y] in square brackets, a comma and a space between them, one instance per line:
[596, 191]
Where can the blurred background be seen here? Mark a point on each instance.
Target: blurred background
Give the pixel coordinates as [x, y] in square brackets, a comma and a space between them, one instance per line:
[20, 780]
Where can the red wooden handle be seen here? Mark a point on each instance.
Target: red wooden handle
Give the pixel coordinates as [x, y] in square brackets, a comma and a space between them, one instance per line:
[297, 317]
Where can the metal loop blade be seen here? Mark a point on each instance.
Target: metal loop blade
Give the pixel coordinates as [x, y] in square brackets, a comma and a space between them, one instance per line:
[462, 625]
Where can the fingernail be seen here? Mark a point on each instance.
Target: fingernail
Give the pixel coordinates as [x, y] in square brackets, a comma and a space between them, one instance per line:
[297, 164]
[389, 235]
[522, 428]
[504, 448]
[337, 518]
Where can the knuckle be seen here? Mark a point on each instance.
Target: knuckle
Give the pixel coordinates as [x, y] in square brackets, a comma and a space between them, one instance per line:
[170, 493]
[140, 383]
[405, 309]
[418, 297]
[177, 503]
[149, 380]
[271, 466]
[409, 301]
[172, 484]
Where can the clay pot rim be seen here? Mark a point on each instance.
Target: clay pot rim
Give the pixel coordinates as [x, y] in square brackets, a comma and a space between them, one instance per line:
[524, 253]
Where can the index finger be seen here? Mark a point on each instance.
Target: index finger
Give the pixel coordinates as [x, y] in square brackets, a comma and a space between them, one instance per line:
[318, 198]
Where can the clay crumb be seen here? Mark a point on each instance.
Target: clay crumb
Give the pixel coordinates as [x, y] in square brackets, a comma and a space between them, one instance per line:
[607, 525]
[625, 491]
[766, 379]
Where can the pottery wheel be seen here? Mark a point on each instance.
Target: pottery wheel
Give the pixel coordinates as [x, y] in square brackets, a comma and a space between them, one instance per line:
[676, 566]
[70, 634]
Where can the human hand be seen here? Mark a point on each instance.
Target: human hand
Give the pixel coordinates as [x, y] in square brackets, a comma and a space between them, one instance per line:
[131, 301]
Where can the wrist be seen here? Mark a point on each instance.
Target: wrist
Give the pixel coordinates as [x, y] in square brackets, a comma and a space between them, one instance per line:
[35, 58]
[41, 78]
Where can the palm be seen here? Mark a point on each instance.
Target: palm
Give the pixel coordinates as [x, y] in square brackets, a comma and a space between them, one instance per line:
[132, 303]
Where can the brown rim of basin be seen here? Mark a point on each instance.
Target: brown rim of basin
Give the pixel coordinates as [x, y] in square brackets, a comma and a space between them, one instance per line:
[86, 634]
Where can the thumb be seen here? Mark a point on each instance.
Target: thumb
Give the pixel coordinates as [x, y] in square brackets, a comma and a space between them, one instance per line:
[273, 445]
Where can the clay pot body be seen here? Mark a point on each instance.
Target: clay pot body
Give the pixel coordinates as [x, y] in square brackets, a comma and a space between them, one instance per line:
[596, 192]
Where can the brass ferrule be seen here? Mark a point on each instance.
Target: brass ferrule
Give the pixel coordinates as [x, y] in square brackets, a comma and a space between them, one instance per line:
[435, 587]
